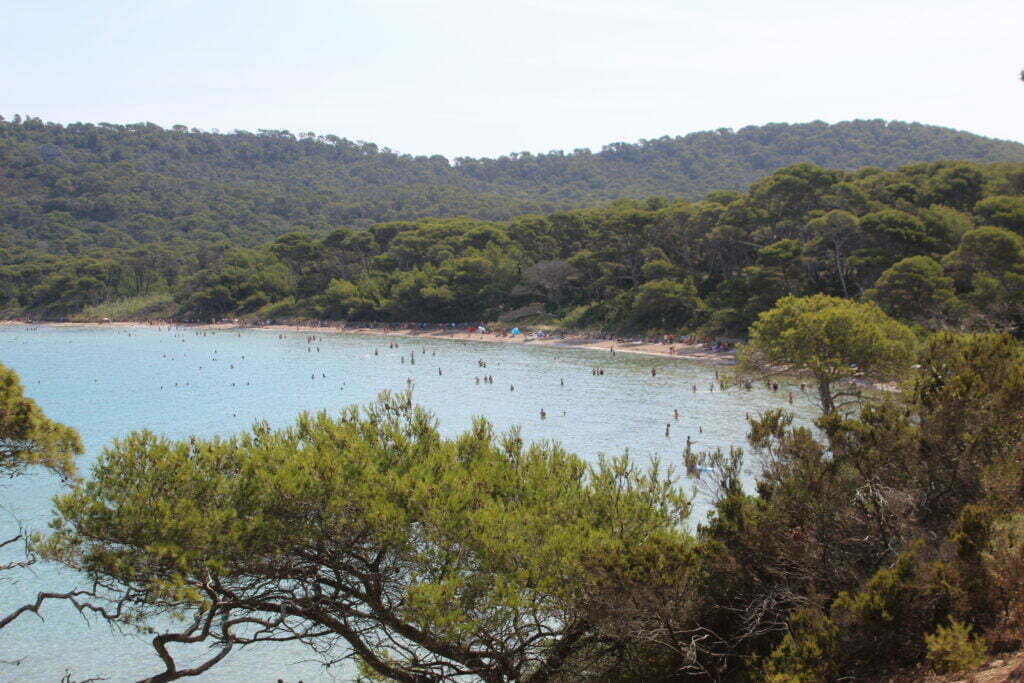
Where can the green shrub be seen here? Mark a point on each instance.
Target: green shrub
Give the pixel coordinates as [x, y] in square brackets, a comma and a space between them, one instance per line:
[953, 648]
[808, 654]
[581, 316]
[146, 307]
[279, 309]
[883, 622]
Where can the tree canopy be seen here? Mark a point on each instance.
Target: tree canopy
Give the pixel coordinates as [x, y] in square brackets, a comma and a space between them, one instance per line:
[368, 536]
[28, 437]
[834, 340]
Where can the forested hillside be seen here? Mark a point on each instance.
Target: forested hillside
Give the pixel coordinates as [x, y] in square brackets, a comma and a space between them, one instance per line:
[64, 189]
[937, 244]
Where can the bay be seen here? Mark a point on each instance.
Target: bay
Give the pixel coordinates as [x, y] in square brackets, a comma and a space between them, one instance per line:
[108, 380]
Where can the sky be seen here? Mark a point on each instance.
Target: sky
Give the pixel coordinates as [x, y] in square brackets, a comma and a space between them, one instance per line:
[482, 78]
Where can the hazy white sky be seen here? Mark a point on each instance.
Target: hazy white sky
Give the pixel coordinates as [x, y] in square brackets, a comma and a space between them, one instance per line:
[482, 78]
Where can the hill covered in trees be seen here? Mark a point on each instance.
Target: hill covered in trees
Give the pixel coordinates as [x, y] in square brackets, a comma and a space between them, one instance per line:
[64, 189]
[939, 244]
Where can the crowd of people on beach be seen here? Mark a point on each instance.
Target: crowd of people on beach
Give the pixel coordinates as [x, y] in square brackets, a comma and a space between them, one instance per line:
[704, 342]
[495, 331]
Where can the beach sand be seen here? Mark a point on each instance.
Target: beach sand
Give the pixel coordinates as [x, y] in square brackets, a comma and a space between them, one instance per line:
[678, 350]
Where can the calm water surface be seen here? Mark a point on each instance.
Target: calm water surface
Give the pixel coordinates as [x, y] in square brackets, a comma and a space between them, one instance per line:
[107, 381]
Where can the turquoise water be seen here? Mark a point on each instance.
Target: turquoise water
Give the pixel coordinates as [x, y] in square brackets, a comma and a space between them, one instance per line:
[107, 381]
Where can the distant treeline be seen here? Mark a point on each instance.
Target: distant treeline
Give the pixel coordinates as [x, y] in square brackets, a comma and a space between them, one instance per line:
[937, 244]
[65, 189]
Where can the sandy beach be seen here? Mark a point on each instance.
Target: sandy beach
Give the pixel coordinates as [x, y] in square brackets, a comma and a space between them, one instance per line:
[678, 350]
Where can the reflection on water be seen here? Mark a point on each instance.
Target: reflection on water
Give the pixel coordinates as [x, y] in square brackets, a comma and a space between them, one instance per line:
[107, 381]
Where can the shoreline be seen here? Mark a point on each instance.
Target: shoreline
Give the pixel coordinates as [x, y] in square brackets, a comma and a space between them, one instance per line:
[678, 351]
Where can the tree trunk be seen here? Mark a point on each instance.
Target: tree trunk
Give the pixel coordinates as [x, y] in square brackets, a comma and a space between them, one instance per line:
[839, 271]
[825, 396]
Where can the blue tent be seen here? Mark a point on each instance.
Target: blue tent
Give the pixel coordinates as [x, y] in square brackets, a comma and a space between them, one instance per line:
[515, 330]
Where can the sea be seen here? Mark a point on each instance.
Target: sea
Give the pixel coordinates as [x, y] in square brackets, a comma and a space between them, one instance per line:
[106, 381]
